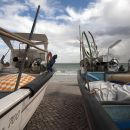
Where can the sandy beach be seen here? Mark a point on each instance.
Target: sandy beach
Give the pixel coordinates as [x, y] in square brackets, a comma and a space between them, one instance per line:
[61, 107]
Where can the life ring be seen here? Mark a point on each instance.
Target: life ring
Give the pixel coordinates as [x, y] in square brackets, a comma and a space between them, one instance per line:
[49, 56]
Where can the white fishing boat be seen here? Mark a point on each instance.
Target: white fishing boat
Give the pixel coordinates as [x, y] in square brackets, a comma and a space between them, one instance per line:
[23, 79]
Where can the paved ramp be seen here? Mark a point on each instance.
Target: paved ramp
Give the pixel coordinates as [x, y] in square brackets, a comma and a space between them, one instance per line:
[61, 108]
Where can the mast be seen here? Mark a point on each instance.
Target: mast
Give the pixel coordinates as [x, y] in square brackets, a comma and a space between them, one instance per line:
[80, 42]
[84, 58]
[26, 51]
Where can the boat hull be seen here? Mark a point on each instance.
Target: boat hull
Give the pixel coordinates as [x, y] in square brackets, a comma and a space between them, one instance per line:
[120, 114]
[18, 117]
[118, 111]
[17, 108]
[98, 118]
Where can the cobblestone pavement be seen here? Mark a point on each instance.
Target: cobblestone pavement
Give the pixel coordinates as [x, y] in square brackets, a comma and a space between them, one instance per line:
[61, 107]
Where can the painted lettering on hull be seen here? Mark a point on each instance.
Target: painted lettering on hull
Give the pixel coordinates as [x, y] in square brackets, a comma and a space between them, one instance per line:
[13, 118]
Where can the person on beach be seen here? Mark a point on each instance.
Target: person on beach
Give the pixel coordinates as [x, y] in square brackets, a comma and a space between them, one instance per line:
[51, 63]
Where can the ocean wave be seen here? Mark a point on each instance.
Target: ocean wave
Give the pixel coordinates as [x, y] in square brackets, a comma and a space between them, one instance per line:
[66, 72]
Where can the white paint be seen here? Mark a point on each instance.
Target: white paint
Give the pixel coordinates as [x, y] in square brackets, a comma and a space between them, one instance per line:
[7, 124]
[10, 100]
[18, 117]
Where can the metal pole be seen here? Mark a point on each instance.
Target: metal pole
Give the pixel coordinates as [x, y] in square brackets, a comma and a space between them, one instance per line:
[107, 58]
[114, 44]
[26, 51]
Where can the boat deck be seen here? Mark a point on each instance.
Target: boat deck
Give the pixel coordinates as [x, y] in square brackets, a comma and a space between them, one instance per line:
[61, 108]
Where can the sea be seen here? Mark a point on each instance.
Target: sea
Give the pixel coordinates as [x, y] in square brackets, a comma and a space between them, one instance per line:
[72, 68]
[66, 68]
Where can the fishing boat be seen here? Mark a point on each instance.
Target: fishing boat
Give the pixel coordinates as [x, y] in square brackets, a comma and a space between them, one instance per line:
[104, 85]
[23, 79]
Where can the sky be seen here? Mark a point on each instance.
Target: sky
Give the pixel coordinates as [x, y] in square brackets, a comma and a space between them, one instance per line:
[108, 21]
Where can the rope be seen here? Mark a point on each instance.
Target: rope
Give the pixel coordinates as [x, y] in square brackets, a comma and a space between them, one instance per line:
[94, 91]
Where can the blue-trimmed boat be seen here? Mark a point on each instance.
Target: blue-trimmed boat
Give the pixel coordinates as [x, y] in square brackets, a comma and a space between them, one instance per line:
[99, 68]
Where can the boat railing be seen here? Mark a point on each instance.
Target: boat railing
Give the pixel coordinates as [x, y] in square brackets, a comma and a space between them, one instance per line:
[17, 37]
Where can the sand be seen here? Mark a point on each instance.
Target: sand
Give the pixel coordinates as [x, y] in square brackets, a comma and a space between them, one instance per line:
[61, 107]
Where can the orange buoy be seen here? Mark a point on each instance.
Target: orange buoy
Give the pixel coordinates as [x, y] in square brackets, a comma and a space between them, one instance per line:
[49, 56]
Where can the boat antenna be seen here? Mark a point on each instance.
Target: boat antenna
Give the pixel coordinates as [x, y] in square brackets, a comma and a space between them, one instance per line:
[26, 50]
[80, 42]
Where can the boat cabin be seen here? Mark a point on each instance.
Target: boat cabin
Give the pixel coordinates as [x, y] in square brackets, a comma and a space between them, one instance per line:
[34, 57]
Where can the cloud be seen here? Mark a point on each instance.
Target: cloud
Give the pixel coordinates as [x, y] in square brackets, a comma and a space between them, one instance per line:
[107, 19]
[14, 8]
[48, 6]
[60, 35]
